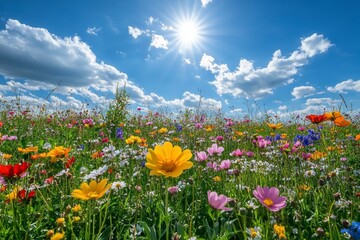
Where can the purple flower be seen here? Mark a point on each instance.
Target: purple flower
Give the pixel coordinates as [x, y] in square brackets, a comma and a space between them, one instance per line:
[220, 138]
[249, 154]
[215, 150]
[201, 156]
[269, 198]
[119, 133]
[218, 202]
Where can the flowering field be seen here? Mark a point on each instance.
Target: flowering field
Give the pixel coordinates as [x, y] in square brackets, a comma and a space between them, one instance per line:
[85, 175]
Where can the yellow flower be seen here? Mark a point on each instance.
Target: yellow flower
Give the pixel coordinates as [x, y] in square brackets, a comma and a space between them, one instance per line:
[93, 190]
[60, 222]
[163, 130]
[217, 179]
[239, 133]
[280, 231]
[168, 160]
[28, 149]
[6, 156]
[58, 236]
[76, 208]
[13, 195]
[275, 126]
[132, 140]
[304, 187]
[317, 155]
[58, 152]
[209, 128]
[76, 219]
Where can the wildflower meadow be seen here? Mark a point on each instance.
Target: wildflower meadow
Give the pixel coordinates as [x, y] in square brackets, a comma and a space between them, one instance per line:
[147, 175]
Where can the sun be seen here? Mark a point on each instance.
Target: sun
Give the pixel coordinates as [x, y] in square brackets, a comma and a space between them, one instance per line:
[188, 33]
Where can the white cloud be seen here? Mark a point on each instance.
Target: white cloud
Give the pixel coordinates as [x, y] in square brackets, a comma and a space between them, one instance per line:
[35, 54]
[348, 85]
[187, 61]
[315, 44]
[322, 102]
[204, 3]
[250, 82]
[135, 32]
[67, 70]
[93, 30]
[303, 91]
[158, 41]
[282, 107]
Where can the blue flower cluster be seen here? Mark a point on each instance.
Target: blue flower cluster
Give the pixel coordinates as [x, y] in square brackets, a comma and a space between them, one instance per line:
[353, 230]
[277, 137]
[119, 133]
[309, 139]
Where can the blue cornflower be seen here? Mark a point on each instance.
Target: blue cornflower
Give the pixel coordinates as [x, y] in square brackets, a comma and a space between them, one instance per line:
[178, 127]
[353, 230]
[119, 133]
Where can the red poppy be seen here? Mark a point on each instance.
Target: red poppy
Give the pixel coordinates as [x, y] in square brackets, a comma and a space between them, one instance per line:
[316, 118]
[24, 195]
[14, 171]
[70, 162]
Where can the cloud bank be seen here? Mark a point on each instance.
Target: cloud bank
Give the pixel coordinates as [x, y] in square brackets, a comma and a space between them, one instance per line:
[250, 82]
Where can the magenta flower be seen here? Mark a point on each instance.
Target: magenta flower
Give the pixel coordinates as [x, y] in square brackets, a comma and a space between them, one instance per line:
[215, 150]
[269, 198]
[218, 202]
[201, 156]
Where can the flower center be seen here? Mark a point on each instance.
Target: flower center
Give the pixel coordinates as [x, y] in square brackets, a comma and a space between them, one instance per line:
[168, 166]
[268, 202]
[253, 232]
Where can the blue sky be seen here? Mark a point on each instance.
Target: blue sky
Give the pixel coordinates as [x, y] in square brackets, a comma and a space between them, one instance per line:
[280, 57]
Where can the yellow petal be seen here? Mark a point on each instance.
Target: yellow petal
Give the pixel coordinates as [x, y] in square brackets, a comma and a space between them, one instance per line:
[167, 148]
[185, 156]
[104, 190]
[176, 152]
[159, 152]
[101, 185]
[77, 193]
[85, 188]
[92, 186]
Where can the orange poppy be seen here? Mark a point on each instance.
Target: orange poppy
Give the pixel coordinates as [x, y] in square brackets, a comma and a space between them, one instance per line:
[341, 122]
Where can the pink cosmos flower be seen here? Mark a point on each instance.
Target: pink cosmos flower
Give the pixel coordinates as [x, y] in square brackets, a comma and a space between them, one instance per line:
[237, 153]
[174, 189]
[215, 150]
[201, 156]
[269, 198]
[218, 202]
[225, 164]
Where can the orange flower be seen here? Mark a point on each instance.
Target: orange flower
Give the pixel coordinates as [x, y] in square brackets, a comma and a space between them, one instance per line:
[38, 155]
[316, 155]
[357, 137]
[341, 122]
[137, 131]
[6, 156]
[316, 118]
[331, 116]
[58, 152]
[28, 149]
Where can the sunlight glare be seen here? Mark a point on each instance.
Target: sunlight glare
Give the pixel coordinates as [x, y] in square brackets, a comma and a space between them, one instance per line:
[188, 33]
